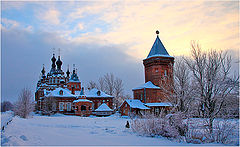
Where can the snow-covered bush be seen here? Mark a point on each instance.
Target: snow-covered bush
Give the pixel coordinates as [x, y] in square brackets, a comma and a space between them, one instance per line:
[168, 126]
[24, 106]
[224, 131]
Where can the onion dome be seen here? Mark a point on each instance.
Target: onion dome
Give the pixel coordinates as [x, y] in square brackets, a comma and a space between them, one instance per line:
[53, 61]
[59, 63]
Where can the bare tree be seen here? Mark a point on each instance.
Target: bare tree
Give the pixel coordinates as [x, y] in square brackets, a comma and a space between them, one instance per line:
[109, 83]
[182, 85]
[118, 91]
[211, 75]
[25, 104]
[92, 85]
[101, 84]
[6, 106]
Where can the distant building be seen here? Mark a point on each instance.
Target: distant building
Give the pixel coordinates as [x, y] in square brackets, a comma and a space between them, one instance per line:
[158, 72]
[65, 92]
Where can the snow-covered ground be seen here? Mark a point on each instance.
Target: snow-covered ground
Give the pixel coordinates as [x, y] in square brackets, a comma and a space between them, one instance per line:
[74, 130]
[6, 117]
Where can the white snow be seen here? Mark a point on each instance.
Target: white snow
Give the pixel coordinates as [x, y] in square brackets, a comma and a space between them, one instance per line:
[93, 93]
[158, 104]
[136, 104]
[6, 117]
[82, 100]
[160, 55]
[56, 93]
[81, 131]
[103, 107]
[149, 84]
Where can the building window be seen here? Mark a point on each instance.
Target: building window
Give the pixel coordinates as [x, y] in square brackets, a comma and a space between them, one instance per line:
[93, 106]
[68, 106]
[98, 93]
[61, 106]
[126, 106]
[156, 69]
[54, 107]
[83, 108]
[165, 72]
[156, 110]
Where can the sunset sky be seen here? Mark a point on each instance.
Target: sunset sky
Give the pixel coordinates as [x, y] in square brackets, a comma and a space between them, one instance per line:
[107, 36]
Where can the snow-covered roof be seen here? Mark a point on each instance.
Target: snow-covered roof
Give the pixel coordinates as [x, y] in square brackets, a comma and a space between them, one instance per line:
[103, 107]
[149, 84]
[158, 49]
[136, 104]
[166, 104]
[96, 93]
[82, 100]
[56, 93]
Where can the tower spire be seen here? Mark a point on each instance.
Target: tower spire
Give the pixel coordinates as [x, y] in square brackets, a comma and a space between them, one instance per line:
[43, 71]
[68, 72]
[73, 68]
[158, 48]
[59, 51]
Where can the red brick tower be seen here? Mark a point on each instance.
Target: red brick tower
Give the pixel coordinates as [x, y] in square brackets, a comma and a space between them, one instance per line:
[158, 74]
[158, 64]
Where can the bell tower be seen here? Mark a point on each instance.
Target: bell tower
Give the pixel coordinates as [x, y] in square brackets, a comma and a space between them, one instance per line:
[159, 64]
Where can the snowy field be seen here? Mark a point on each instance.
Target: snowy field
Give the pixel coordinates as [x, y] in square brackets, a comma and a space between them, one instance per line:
[74, 130]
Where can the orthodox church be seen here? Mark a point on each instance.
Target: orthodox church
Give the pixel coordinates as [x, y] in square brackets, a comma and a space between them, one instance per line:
[151, 96]
[64, 93]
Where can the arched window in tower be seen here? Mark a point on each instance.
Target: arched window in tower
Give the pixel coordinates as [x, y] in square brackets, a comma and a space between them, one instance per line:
[156, 69]
[60, 92]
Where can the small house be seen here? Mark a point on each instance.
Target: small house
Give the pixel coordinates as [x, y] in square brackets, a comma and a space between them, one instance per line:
[133, 106]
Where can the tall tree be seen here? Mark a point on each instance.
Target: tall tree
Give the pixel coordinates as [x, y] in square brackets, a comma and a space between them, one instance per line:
[211, 75]
[25, 105]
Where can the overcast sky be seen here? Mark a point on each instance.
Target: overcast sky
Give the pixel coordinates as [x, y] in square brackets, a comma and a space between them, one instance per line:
[106, 37]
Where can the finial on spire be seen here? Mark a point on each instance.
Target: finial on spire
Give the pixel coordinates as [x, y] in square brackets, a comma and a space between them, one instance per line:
[53, 51]
[59, 50]
[157, 32]
[73, 68]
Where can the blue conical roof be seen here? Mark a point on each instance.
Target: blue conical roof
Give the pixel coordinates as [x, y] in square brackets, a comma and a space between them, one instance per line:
[158, 49]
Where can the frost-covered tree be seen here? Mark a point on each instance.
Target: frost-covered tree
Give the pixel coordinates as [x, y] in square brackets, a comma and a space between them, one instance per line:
[25, 105]
[213, 82]
[183, 89]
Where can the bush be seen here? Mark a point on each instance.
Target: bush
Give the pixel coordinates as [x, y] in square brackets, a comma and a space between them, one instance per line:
[170, 126]
[224, 131]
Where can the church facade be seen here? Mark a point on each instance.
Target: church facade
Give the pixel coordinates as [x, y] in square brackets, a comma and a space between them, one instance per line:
[158, 68]
[62, 93]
